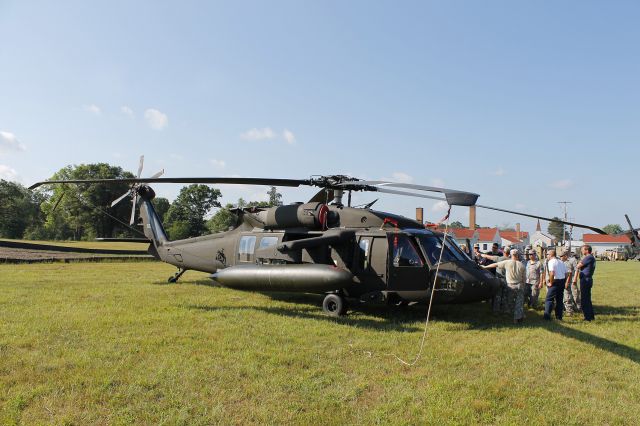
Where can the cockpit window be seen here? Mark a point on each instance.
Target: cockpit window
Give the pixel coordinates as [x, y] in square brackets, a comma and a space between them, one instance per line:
[432, 246]
[405, 253]
[455, 247]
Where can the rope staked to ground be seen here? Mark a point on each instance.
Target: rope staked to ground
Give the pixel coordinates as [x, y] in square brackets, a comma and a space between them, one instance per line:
[435, 283]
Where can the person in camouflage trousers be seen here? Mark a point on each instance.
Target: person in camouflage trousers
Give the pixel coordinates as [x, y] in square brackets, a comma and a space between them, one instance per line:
[533, 283]
[513, 297]
[498, 300]
[570, 305]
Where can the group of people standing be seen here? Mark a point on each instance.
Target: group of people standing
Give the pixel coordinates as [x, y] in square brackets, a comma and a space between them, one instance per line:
[523, 279]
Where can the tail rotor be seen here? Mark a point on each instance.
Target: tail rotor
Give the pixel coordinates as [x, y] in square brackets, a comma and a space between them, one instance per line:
[133, 191]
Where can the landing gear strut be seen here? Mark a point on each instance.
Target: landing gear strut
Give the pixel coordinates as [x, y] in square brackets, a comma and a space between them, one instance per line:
[334, 305]
[177, 275]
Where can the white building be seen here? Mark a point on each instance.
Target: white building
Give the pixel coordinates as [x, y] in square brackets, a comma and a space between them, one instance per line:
[462, 235]
[602, 243]
[488, 236]
[540, 239]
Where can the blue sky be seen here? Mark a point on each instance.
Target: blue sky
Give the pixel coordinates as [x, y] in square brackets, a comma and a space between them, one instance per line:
[527, 103]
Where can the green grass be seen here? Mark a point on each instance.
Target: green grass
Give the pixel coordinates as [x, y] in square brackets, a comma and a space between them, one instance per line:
[114, 344]
[88, 244]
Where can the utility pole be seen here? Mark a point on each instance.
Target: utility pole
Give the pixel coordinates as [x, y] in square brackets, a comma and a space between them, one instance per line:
[564, 228]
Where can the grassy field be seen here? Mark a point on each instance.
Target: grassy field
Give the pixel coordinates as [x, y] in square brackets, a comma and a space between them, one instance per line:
[115, 344]
[88, 244]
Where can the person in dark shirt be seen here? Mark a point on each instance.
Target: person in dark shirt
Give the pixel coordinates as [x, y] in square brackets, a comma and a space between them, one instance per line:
[587, 267]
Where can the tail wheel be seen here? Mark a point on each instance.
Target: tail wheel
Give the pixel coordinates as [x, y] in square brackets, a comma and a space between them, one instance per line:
[334, 305]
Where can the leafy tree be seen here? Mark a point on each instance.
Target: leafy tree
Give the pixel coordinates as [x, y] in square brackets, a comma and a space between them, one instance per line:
[613, 229]
[185, 217]
[275, 198]
[222, 220]
[259, 204]
[19, 209]
[79, 211]
[161, 205]
[456, 225]
[556, 229]
[225, 218]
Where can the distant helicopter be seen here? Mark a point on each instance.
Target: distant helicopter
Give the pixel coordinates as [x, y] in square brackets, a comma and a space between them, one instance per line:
[634, 235]
[323, 246]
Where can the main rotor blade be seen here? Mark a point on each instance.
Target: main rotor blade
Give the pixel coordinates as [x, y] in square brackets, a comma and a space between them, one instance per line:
[577, 225]
[120, 198]
[453, 196]
[411, 194]
[204, 180]
[140, 166]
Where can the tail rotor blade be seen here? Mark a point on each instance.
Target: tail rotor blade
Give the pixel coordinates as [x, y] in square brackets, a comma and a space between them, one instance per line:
[157, 175]
[133, 209]
[140, 166]
[122, 197]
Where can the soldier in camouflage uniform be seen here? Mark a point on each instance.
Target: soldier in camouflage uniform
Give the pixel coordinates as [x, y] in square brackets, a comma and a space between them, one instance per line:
[513, 297]
[570, 305]
[497, 303]
[533, 284]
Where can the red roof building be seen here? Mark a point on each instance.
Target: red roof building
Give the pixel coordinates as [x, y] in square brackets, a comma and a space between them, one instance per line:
[605, 239]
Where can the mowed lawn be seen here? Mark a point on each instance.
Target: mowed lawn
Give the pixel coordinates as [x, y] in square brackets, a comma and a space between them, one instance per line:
[113, 343]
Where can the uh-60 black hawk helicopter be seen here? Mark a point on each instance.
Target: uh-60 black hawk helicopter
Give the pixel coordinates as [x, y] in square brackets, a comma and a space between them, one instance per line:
[323, 246]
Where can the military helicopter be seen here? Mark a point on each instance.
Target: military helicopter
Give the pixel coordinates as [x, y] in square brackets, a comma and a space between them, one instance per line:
[323, 246]
[634, 235]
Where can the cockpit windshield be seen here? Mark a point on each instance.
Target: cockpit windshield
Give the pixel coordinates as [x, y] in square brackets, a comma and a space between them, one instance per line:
[432, 246]
[453, 244]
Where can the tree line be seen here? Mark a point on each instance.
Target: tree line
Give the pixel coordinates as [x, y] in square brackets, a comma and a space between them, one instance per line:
[84, 212]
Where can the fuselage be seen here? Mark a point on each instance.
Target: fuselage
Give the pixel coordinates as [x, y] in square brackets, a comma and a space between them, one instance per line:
[360, 253]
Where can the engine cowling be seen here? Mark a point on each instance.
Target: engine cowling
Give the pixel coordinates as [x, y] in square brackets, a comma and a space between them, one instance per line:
[308, 215]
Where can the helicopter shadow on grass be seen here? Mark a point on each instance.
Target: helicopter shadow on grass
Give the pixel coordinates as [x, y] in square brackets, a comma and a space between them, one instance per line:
[313, 314]
[476, 317]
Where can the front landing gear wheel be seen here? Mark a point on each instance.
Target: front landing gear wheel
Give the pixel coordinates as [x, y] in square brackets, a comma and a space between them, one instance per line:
[334, 305]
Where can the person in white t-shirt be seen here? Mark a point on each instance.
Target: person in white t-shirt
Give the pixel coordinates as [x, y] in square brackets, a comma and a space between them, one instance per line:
[556, 277]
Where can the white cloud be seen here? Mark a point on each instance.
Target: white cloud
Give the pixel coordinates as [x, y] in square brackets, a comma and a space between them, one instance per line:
[220, 164]
[157, 120]
[400, 177]
[440, 206]
[259, 134]
[93, 109]
[562, 184]
[126, 111]
[9, 142]
[7, 173]
[289, 136]
[500, 172]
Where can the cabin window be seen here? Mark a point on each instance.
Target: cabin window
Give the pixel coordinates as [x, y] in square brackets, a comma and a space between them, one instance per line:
[267, 242]
[363, 259]
[247, 247]
[405, 252]
[484, 247]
